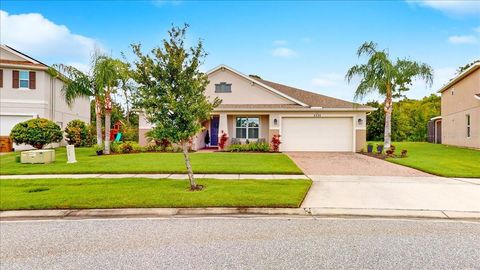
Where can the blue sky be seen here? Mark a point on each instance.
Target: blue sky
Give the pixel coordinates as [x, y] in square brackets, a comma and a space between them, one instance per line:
[309, 45]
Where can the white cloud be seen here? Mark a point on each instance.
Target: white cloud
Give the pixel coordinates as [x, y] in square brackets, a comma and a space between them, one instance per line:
[283, 52]
[328, 80]
[465, 39]
[41, 38]
[280, 42]
[451, 7]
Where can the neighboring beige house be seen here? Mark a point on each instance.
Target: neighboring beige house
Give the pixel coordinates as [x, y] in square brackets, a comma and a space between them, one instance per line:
[254, 109]
[460, 120]
[28, 91]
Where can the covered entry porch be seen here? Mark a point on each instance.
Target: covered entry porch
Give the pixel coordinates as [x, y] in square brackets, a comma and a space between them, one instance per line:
[239, 127]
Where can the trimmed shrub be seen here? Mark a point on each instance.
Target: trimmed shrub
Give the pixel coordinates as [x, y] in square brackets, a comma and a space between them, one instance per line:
[36, 132]
[129, 133]
[76, 133]
[250, 147]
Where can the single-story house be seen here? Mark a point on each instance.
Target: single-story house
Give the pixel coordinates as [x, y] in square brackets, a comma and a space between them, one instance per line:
[459, 124]
[253, 109]
[28, 91]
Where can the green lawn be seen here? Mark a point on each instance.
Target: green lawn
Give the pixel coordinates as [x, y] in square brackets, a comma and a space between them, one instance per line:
[439, 159]
[88, 162]
[143, 192]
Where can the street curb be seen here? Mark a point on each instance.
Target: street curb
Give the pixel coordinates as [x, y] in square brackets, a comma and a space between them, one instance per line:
[234, 212]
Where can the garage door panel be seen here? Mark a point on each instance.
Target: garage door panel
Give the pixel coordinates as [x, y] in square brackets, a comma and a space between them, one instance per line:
[7, 122]
[317, 134]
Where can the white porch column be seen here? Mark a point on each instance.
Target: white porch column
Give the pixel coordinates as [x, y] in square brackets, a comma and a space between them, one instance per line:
[223, 125]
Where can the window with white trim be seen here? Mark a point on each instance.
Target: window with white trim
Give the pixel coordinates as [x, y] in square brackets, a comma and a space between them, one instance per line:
[468, 125]
[24, 78]
[223, 87]
[247, 127]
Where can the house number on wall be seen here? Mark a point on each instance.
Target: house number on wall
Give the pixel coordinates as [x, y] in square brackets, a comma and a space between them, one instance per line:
[317, 115]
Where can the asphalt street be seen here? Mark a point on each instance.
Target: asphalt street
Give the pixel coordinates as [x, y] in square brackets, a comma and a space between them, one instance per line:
[240, 243]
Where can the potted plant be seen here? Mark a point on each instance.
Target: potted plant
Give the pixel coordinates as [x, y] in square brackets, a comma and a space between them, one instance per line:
[99, 149]
[370, 147]
[379, 148]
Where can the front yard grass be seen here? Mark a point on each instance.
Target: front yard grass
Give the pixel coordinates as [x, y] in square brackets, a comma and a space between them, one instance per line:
[438, 159]
[18, 194]
[88, 162]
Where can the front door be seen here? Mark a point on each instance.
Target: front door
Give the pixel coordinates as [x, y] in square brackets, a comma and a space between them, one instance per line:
[214, 131]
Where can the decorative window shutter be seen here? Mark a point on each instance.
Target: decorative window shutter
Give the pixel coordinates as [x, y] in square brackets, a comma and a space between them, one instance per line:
[32, 78]
[15, 79]
[1, 77]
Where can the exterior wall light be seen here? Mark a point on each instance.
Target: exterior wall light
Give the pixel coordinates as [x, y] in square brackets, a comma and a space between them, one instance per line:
[360, 121]
[275, 122]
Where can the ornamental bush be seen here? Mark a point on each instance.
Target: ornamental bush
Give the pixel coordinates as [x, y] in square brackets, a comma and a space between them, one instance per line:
[36, 132]
[250, 147]
[76, 133]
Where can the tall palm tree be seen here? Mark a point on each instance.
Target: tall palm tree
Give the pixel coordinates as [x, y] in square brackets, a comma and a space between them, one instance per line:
[388, 78]
[107, 77]
[81, 84]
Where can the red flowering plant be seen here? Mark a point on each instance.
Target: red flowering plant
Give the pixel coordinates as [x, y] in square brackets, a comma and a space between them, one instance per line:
[223, 140]
[276, 143]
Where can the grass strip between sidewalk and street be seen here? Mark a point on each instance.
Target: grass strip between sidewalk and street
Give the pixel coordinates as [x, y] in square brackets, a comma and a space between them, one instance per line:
[16, 194]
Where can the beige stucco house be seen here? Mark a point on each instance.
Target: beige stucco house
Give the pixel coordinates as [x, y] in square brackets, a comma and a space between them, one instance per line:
[28, 91]
[460, 120]
[255, 109]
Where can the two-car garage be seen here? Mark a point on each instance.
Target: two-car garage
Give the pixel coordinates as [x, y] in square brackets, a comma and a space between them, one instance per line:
[326, 134]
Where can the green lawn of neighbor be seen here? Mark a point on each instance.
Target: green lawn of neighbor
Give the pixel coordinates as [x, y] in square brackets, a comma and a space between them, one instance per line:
[439, 159]
[88, 162]
[144, 192]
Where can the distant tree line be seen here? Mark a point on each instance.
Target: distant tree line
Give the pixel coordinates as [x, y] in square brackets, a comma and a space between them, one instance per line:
[409, 119]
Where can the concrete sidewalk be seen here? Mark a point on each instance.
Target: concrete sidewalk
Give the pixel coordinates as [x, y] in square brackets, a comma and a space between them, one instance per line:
[391, 193]
[158, 176]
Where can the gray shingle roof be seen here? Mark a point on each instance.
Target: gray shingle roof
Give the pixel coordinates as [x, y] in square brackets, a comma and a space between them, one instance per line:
[310, 98]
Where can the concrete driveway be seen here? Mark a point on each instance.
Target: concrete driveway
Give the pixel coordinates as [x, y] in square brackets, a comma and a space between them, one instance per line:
[328, 163]
[355, 181]
[394, 192]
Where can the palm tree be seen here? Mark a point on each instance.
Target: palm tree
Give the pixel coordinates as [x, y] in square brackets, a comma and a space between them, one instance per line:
[81, 84]
[107, 77]
[388, 78]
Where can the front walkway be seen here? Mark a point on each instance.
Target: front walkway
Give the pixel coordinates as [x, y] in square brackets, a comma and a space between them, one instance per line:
[394, 193]
[158, 176]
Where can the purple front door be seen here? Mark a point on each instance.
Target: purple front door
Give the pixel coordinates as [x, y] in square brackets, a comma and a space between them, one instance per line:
[214, 131]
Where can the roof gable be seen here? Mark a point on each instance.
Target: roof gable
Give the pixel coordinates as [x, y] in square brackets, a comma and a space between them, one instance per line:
[12, 57]
[459, 77]
[255, 81]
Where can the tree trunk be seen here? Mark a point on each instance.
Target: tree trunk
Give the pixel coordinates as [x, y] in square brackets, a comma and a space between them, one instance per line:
[98, 115]
[108, 114]
[127, 104]
[387, 138]
[193, 185]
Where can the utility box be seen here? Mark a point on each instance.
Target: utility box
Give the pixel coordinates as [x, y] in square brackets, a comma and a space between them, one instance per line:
[38, 156]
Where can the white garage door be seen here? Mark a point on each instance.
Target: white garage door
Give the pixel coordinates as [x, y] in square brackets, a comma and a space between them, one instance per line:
[7, 122]
[317, 134]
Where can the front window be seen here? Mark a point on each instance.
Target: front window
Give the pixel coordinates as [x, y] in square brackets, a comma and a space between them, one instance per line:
[24, 79]
[247, 127]
[468, 125]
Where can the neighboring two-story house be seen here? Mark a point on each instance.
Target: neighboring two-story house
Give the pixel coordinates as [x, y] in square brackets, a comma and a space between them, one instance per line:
[459, 124]
[255, 109]
[28, 91]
